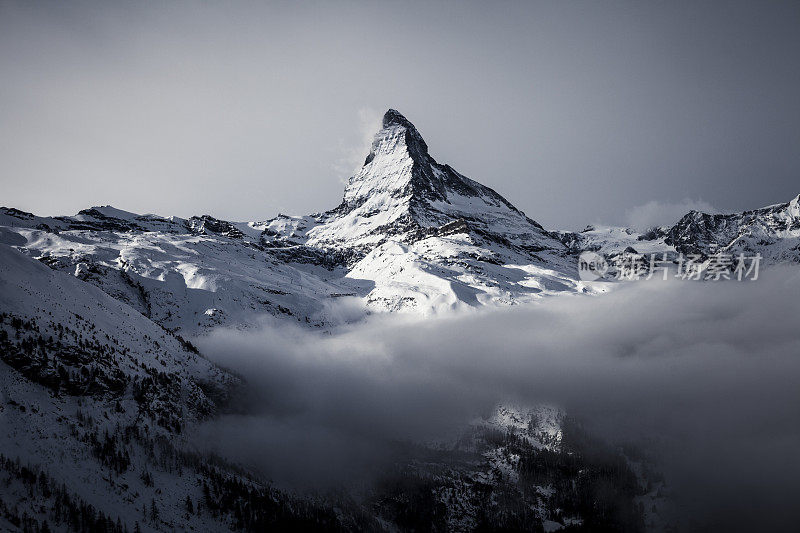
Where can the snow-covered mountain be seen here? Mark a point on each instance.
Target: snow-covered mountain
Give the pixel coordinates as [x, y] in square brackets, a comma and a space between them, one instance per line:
[410, 234]
[99, 379]
[402, 192]
[773, 231]
[424, 236]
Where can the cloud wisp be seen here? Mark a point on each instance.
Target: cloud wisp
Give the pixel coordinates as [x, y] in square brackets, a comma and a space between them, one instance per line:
[654, 213]
[705, 373]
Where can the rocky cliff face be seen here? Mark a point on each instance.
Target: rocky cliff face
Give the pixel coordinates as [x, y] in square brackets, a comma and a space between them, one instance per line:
[773, 231]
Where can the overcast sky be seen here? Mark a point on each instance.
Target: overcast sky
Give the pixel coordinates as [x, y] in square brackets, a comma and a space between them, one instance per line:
[577, 112]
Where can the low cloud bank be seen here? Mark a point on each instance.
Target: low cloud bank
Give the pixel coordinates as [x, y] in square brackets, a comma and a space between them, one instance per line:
[705, 374]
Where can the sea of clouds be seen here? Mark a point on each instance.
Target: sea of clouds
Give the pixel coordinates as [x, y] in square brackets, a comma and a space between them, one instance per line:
[706, 376]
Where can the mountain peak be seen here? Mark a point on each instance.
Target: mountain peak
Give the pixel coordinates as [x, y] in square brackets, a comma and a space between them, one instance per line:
[399, 133]
[393, 117]
[397, 154]
[402, 190]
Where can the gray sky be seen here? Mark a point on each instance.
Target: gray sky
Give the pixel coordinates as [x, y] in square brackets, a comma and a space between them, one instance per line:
[577, 112]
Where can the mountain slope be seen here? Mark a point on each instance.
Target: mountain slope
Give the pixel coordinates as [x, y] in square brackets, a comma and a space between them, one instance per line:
[77, 338]
[97, 405]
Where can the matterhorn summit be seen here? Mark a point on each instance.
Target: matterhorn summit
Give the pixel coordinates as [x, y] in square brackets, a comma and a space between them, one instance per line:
[402, 193]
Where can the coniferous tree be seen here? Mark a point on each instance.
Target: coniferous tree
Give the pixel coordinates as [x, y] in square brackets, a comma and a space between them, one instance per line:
[153, 510]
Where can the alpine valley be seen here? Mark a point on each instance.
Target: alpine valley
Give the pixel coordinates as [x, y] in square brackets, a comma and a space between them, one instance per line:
[101, 382]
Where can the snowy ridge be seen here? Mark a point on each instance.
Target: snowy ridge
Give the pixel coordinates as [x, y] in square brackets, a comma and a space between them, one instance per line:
[185, 275]
[773, 231]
